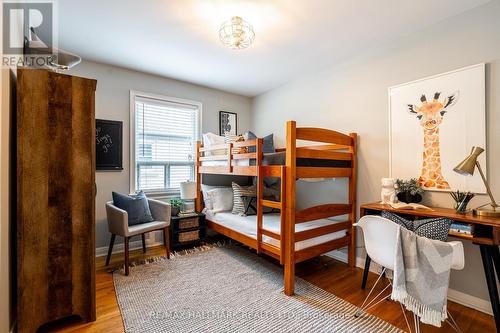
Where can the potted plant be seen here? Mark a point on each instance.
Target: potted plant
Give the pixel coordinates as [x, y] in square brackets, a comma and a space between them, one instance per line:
[175, 206]
[409, 191]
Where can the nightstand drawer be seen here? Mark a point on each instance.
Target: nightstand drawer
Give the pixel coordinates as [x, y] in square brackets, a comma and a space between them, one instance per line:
[188, 236]
[189, 223]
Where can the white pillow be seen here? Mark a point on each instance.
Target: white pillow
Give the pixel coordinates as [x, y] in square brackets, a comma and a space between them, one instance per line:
[222, 199]
[211, 139]
[206, 199]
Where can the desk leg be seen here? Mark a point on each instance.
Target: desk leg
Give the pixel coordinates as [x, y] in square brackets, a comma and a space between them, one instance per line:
[368, 260]
[487, 255]
[496, 259]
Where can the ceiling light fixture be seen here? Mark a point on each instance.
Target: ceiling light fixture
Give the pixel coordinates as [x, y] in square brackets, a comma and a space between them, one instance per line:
[236, 33]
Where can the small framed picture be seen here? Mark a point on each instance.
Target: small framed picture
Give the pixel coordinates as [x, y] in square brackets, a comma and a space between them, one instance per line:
[228, 123]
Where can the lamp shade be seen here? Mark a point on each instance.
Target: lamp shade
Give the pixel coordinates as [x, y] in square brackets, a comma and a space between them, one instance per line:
[188, 190]
[467, 166]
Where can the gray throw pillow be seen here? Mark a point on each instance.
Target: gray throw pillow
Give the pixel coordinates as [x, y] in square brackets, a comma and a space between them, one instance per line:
[267, 144]
[136, 206]
[436, 228]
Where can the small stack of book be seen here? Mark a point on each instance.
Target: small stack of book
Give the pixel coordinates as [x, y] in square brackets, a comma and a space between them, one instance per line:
[187, 214]
[461, 228]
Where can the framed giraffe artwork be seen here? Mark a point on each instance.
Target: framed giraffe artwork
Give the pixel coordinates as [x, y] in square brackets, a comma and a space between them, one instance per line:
[434, 123]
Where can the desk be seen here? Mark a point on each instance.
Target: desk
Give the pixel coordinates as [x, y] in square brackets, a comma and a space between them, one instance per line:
[486, 234]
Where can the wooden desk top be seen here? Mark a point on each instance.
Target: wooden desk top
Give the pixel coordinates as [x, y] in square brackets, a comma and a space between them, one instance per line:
[491, 236]
[438, 212]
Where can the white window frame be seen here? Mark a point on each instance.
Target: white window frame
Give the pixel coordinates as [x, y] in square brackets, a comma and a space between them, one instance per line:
[132, 166]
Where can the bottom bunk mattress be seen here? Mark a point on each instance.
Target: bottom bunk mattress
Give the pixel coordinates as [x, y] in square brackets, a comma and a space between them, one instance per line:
[247, 225]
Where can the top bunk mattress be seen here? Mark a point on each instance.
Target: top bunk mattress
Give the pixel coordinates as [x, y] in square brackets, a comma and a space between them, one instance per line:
[279, 158]
[247, 225]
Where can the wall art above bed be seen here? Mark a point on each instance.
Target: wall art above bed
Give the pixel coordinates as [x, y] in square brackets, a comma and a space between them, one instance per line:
[434, 122]
[228, 123]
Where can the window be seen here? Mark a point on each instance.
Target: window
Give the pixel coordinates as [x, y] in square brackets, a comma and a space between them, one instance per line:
[164, 131]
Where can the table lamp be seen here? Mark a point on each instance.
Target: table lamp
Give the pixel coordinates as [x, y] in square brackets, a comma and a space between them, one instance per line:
[188, 192]
[467, 167]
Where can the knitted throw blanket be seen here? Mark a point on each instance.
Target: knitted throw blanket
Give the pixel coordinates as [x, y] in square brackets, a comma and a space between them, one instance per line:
[421, 276]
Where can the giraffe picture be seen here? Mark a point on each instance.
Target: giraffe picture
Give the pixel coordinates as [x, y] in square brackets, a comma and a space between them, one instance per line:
[430, 115]
[434, 122]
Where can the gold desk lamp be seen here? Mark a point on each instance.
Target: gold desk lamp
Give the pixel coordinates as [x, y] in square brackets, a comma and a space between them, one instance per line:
[467, 167]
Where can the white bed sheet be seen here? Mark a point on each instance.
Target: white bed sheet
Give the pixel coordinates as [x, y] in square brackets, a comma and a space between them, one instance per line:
[248, 225]
[244, 162]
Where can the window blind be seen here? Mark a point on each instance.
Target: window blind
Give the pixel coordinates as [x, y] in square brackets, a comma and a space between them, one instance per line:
[165, 136]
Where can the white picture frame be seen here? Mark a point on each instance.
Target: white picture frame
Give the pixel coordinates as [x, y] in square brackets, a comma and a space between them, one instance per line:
[439, 132]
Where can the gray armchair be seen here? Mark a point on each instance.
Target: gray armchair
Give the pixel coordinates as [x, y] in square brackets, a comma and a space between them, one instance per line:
[118, 225]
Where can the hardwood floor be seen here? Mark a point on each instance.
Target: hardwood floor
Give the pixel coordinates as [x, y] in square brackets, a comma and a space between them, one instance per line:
[324, 272]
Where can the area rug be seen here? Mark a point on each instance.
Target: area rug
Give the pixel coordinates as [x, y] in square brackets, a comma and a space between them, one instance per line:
[229, 289]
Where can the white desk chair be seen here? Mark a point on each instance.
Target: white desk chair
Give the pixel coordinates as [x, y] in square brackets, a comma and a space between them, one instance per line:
[380, 235]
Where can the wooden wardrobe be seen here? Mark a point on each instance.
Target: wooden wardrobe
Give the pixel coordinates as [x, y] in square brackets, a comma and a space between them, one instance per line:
[55, 197]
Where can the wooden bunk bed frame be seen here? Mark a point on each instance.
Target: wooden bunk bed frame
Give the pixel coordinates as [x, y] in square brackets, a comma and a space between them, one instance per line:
[338, 147]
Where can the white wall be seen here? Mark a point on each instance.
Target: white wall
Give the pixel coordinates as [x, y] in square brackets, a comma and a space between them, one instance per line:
[112, 102]
[352, 97]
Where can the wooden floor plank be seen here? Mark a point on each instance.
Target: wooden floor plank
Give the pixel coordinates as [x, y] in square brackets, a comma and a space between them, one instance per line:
[324, 272]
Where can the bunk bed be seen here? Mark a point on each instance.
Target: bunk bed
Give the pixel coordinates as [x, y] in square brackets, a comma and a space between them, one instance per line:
[292, 235]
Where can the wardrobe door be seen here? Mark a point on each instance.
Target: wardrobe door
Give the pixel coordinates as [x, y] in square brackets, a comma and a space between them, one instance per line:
[56, 199]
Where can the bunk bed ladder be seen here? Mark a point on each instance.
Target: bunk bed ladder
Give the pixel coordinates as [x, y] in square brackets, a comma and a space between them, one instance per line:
[271, 171]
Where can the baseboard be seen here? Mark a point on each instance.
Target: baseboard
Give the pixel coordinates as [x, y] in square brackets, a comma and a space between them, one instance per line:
[120, 248]
[470, 301]
[456, 296]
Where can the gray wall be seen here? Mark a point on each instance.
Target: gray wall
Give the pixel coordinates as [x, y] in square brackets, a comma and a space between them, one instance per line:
[352, 97]
[113, 102]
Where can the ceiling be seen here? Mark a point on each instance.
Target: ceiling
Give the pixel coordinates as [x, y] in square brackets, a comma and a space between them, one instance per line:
[179, 38]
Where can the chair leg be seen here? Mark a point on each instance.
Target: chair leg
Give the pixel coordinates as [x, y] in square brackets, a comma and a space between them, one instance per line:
[110, 250]
[451, 321]
[126, 255]
[368, 260]
[166, 240]
[416, 320]
[143, 243]
[375, 300]
[406, 318]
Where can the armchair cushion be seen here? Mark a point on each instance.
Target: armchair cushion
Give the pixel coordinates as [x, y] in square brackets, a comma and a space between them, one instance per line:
[142, 228]
[135, 205]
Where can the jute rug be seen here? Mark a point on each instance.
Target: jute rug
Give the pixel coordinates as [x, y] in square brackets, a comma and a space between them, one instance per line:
[229, 289]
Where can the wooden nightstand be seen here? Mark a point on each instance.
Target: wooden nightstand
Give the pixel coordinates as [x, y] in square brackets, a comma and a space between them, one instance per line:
[187, 230]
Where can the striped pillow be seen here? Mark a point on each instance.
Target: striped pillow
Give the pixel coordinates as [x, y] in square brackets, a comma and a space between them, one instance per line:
[229, 138]
[239, 192]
